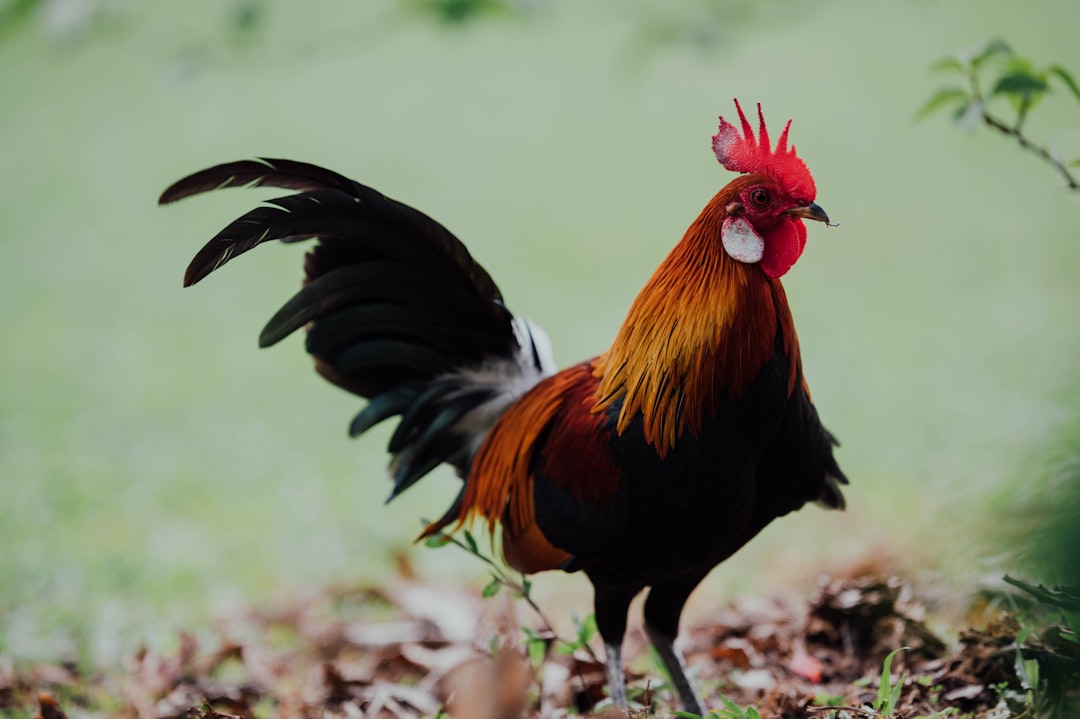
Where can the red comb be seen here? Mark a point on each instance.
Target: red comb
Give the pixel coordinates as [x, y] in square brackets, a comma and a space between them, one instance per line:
[745, 153]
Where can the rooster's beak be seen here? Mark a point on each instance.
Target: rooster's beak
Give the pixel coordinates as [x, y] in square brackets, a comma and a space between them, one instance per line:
[809, 212]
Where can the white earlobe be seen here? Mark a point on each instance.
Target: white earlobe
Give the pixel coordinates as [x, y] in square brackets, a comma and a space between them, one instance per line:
[740, 240]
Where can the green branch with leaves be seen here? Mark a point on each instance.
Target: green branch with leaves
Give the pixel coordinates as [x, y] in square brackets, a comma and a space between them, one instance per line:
[1018, 81]
[535, 644]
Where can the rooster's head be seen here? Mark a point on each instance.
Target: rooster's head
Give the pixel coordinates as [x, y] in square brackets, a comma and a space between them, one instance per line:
[764, 214]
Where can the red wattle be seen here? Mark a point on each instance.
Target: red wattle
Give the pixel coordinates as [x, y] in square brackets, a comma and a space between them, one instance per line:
[783, 246]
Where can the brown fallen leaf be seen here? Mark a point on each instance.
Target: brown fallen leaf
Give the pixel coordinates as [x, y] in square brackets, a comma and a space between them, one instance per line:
[489, 688]
[394, 653]
[804, 665]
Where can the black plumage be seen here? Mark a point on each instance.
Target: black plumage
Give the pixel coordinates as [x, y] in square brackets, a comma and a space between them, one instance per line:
[393, 302]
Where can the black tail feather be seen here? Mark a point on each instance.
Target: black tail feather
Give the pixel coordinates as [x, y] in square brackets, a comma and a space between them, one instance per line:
[396, 309]
[349, 325]
[287, 174]
[388, 404]
[831, 495]
[414, 418]
[422, 289]
[364, 357]
[321, 184]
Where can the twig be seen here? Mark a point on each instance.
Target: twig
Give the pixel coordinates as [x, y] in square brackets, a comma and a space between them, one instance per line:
[1031, 147]
[521, 589]
[865, 711]
[1016, 131]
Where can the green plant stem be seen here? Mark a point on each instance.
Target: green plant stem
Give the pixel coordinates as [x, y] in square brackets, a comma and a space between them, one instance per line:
[1016, 131]
[1028, 145]
[519, 589]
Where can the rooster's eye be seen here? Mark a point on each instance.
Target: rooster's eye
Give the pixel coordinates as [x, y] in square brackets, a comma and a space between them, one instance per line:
[759, 197]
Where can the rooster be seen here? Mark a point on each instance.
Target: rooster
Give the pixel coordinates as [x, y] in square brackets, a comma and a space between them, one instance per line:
[643, 467]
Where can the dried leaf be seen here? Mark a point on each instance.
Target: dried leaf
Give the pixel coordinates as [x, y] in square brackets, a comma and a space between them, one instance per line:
[806, 666]
[387, 653]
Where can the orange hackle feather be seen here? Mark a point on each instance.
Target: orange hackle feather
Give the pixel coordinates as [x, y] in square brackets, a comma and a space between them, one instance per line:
[698, 334]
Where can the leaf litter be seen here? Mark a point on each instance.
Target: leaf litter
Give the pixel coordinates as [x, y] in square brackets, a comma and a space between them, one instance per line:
[409, 650]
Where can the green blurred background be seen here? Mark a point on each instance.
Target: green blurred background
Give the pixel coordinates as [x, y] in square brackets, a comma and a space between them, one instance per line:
[155, 468]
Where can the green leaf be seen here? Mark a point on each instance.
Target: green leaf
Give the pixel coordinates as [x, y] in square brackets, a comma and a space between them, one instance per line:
[731, 706]
[1031, 669]
[566, 648]
[1062, 74]
[939, 99]
[492, 588]
[887, 694]
[247, 15]
[526, 587]
[686, 715]
[993, 48]
[1020, 82]
[17, 11]
[1075, 163]
[437, 540]
[459, 12]
[948, 63]
[471, 541]
[828, 700]
[732, 710]
[894, 695]
[586, 630]
[537, 648]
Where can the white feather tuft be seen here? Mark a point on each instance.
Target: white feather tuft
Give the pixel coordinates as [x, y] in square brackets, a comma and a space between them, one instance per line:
[505, 379]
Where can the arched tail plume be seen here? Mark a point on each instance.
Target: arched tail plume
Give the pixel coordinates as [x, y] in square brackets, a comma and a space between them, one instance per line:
[397, 310]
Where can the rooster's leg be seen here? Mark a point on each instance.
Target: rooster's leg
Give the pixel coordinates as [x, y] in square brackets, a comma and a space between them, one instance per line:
[663, 607]
[672, 658]
[616, 678]
[611, 607]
